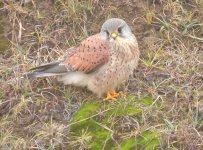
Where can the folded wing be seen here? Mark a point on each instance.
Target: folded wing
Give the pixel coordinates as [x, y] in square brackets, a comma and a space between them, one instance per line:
[91, 54]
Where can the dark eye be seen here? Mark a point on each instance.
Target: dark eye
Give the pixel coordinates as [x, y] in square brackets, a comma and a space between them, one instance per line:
[120, 29]
[107, 32]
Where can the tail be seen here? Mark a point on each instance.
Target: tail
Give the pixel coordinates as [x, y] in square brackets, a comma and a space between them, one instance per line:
[50, 69]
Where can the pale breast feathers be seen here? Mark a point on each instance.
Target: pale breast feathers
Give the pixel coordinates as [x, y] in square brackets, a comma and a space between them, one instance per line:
[90, 54]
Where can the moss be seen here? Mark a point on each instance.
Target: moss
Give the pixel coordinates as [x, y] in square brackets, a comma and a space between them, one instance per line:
[147, 140]
[128, 144]
[84, 120]
[4, 44]
[86, 110]
[146, 101]
[98, 133]
[126, 109]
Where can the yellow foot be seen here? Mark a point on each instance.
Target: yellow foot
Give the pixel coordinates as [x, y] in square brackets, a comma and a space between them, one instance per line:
[112, 95]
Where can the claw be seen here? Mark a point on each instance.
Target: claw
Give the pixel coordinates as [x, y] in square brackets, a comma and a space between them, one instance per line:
[112, 95]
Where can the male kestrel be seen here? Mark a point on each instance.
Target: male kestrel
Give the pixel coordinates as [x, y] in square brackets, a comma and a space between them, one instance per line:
[100, 62]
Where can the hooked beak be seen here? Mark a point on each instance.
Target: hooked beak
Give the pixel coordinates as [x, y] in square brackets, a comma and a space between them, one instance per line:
[114, 35]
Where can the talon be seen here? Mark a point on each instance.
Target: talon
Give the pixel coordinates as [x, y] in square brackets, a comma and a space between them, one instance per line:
[112, 95]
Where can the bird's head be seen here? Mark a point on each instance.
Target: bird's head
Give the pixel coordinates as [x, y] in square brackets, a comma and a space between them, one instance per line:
[115, 30]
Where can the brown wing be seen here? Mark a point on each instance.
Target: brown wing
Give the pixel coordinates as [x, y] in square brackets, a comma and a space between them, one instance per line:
[90, 54]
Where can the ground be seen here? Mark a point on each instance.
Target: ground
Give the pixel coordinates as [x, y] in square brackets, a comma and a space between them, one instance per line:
[164, 103]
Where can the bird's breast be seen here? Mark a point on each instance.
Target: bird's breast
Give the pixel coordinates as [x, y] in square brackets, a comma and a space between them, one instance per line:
[123, 59]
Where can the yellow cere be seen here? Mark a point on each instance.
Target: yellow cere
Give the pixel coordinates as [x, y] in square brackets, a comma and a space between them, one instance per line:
[114, 34]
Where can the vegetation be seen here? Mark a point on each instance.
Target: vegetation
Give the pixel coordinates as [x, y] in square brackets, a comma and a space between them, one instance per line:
[164, 103]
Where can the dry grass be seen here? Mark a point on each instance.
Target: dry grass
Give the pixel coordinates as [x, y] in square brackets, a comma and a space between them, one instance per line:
[38, 114]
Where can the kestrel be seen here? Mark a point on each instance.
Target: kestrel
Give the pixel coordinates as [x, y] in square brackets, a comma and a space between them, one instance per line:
[101, 62]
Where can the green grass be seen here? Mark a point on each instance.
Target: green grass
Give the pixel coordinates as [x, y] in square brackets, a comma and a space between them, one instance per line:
[99, 133]
[146, 140]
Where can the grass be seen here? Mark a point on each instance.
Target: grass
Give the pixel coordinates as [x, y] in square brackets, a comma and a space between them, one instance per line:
[98, 124]
[163, 108]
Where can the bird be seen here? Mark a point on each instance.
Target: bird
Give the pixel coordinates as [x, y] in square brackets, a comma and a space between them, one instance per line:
[101, 62]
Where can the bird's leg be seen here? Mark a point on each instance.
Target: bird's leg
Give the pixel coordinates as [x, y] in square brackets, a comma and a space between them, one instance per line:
[112, 95]
[109, 96]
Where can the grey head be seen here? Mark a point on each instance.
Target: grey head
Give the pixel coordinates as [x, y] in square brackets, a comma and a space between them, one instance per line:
[113, 28]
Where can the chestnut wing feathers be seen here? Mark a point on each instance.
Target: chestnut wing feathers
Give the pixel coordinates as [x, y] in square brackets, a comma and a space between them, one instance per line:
[90, 54]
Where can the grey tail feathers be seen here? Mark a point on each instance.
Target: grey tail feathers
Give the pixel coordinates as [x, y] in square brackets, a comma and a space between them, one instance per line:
[50, 69]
